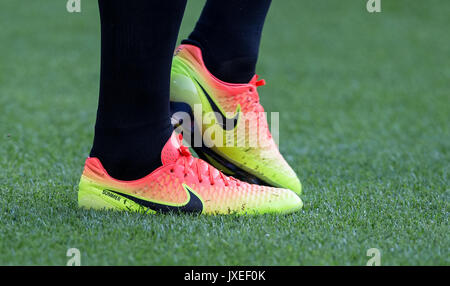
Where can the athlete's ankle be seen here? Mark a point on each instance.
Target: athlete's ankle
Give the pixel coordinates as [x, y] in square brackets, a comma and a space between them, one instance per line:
[130, 153]
[231, 70]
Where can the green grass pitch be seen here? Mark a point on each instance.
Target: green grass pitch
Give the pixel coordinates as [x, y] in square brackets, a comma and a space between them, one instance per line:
[364, 102]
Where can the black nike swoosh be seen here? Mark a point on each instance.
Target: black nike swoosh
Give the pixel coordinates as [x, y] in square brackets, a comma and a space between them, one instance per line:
[194, 205]
[226, 123]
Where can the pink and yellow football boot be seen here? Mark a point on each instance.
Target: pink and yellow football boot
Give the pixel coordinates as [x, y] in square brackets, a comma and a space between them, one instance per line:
[226, 124]
[182, 184]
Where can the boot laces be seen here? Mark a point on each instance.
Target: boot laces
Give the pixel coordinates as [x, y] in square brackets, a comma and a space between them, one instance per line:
[253, 97]
[194, 164]
[254, 103]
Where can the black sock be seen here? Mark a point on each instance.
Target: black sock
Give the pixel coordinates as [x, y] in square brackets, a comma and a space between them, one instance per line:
[133, 117]
[229, 33]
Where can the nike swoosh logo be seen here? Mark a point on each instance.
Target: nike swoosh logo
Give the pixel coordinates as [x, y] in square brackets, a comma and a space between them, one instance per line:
[225, 122]
[194, 204]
